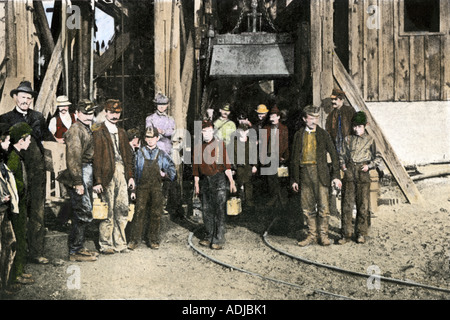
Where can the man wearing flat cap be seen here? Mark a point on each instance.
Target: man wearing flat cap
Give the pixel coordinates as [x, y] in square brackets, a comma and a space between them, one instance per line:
[78, 178]
[311, 174]
[113, 175]
[23, 97]
[62, 121]
[224, 127]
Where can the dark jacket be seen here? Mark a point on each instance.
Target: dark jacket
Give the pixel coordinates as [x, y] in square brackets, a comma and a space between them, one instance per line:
[283, 140]
[104, 163]
[324, 146]
[331, 124]
[79, 150]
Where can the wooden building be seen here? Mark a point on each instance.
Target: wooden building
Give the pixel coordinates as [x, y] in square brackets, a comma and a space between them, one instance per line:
[376, 50]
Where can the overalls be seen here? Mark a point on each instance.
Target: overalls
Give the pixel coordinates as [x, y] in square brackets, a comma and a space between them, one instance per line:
[149, 196]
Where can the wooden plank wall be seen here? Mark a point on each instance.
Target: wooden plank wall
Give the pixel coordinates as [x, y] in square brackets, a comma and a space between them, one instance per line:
[389, 65]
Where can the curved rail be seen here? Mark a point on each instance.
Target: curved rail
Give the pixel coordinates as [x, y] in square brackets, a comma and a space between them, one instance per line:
[387, 279]
[261, 276]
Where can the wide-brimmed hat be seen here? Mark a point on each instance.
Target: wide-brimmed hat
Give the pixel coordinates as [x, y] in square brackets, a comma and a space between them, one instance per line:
[161, 99]
[86, 106]
[262, 109]
[275, 110]
[113, 105]
[63, 101]
[18, 131]
[24, 86]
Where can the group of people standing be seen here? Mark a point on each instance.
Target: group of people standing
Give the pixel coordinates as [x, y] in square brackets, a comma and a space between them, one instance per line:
[318, 160]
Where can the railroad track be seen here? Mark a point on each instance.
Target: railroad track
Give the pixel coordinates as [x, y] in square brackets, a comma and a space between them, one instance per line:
[343, 281]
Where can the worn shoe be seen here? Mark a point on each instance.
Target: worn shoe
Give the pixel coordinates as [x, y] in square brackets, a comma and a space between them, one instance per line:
[216, 246]
[133, 245]
[88, 252]
[344, 240]
[40, 260]
[204, 243]
[81, 257]
[154, 246]
[107, 251]
[308, 241]
[24, 280]
[325, 241]
[360, 239]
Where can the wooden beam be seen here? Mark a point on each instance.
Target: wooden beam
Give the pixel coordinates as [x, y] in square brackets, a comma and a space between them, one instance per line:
[45, 101]
[354, 97]
[114, 53]
[43, 28]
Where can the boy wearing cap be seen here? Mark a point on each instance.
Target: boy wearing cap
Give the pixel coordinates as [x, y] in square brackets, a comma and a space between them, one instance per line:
[9, 207]
[224, 127]
[211, 169]
[79, 180]
[359, 155]
[61, 122]
[151, 165]
[113, 175]
[311, 174]
[20, 135]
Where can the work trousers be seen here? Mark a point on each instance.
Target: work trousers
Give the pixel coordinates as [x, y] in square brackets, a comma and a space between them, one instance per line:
[19, 223]
[314, 199]
[112, 229]
[244, 184]
[7, 248]
[356, 189]
[81, 210]
[214, 197]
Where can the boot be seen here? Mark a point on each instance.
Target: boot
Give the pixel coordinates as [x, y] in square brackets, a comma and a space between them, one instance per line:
[311, 238]
[323, 228]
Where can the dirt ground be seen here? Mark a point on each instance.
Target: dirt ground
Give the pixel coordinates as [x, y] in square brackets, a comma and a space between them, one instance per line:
[406, 242]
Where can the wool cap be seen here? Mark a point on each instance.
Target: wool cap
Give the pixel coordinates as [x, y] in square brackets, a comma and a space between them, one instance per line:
[226, 107]
[359, 118]
[337, 93]
[18, 131]
[86, 106]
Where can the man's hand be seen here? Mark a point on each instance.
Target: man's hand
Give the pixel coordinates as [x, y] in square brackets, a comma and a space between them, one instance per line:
[295, 187]
[196, 188]
[233, 187]
[365, 168]
[98, 188]
[79, 189]
[337, 183]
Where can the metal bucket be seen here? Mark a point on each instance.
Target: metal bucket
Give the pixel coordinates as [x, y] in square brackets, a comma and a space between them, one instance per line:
[99, 209]
[234, 206]
[283, 172]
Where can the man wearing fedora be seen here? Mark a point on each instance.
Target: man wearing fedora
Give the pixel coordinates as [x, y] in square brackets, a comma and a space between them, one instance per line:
[62, 121]
[23, 97]
[78, 178]
[113, 175]
[311, 174]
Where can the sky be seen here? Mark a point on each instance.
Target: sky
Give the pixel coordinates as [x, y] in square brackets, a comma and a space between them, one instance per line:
[105, 23]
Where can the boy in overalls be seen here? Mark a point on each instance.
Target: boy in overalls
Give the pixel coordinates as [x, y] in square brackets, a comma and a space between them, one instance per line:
[151, 164]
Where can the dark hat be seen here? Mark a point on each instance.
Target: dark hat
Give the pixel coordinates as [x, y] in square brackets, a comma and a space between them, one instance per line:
[18, 131]
[226, 107]
[275, 110]
[133, 133]
[24, 86]
[161, 99]
[63, 101]
[359, 118]
[337, 93]
[206, 124]
[86, 106]
[312, 111]
[113, 105]
[151, 132]
[4, 129]
[242, 115]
